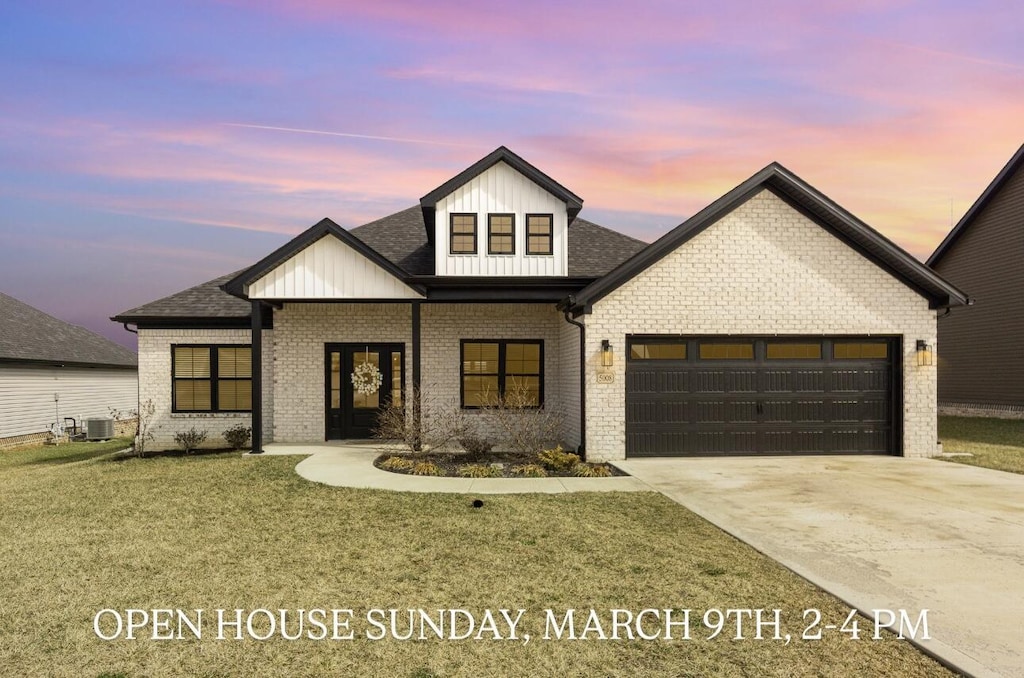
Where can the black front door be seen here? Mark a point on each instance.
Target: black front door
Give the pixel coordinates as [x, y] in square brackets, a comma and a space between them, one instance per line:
[349, 413]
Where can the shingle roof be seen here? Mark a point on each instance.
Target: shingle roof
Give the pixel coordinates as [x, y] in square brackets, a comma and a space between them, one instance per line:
[207, 300]
[593, 251]
[26, 333]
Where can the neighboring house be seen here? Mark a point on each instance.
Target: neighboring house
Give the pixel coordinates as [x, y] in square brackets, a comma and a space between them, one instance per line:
[981, 365]
[50, 369]
[771, 322]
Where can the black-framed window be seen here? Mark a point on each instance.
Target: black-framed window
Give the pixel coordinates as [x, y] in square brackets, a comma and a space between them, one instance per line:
[502, 368]
[539, 233]
[211, 378]
[462, 238]
[501, 234]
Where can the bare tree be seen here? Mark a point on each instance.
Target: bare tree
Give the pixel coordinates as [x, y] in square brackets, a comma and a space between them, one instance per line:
[439, 422]
[526, 427]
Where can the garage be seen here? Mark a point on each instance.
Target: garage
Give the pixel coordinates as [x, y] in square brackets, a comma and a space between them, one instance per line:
[713, 396]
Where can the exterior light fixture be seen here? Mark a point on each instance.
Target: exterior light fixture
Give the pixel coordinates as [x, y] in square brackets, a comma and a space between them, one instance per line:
[607, 358]
[924, 353]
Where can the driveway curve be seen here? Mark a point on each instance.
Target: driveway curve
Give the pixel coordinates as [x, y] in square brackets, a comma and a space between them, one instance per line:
[880, 533]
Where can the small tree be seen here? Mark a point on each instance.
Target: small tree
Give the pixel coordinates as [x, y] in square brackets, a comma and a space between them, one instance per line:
[526, 427]
[397, 422]
[143, 422]
[190, 440]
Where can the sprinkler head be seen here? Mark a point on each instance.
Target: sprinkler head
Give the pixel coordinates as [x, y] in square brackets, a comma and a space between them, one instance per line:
[477, 503]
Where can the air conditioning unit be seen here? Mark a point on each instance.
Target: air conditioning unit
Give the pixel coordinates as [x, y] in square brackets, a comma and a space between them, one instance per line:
[99, 429]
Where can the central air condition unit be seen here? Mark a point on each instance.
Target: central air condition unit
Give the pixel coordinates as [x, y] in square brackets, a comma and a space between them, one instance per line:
[99, 429]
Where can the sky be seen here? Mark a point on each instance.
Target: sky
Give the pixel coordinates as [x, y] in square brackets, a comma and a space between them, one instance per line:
[147, 147]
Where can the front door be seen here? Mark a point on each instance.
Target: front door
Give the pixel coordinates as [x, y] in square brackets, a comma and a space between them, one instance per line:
[352, 412]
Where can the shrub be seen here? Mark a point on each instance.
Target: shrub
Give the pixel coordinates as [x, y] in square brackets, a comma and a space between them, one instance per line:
[530, 471]
[445, 423]
[558, 459]
[399, 464]
[191, 439]
[591, 471]
[237, 437]
[426, 468]
[479, 471]
[525, 427]
[475, 446]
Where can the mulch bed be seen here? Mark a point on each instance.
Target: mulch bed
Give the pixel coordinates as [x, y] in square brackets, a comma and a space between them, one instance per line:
[450, 462]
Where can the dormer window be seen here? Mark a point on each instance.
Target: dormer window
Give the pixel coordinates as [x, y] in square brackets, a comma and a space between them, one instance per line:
[539, 233]
[501, 238]
[463, 234]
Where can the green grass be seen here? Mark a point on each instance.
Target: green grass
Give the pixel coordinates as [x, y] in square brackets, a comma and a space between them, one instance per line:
[223, 531]
[993, 443]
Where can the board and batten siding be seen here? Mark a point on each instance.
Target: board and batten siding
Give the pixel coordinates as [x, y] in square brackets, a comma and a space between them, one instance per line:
[330, 269]
[501, 190]
[27, 395]
[979, 350]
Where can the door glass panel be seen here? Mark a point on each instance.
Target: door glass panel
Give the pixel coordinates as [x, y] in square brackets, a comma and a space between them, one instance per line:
[657, 352]
[785, 350]
[335, 380]
[737, 351]
[396, 378]
[857, 349]
[365, 400]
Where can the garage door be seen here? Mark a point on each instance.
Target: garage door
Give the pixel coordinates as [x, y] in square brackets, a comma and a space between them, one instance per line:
[702, 396]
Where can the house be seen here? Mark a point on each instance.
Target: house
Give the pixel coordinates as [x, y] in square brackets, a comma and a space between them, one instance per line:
[771, 322]
[50, 369]
[981, 368]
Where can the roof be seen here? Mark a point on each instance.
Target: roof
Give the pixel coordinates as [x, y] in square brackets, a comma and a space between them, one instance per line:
[1015, 163]
[573, 203]
[29, 335]
[206, 301]
[816, 206]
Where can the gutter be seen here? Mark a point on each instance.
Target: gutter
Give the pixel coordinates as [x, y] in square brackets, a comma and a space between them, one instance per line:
[566, 307]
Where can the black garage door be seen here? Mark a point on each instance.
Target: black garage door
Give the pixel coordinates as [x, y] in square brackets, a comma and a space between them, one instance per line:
[771, 396]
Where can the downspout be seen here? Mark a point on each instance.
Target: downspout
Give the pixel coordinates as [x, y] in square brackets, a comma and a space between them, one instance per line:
[583, 377]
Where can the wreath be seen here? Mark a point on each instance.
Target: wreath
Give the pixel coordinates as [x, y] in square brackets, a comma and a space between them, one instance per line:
[366, 379]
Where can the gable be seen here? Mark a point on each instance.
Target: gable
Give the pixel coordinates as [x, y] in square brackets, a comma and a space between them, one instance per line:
[806, 200]
[329, 269]
[765, 265]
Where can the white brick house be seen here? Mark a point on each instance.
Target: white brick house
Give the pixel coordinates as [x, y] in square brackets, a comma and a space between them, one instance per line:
[772, 322]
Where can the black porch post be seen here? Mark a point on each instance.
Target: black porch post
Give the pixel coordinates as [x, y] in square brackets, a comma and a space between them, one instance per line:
[416, 371]
[257, 377]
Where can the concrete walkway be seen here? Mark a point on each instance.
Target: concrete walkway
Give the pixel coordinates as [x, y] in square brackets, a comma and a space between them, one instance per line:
[351, 465]
[880, 533]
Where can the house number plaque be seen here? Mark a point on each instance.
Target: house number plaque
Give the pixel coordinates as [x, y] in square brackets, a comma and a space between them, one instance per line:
[605, 377]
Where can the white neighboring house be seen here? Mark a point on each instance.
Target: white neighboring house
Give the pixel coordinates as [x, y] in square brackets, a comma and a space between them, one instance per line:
[771, 322]
[50, 368]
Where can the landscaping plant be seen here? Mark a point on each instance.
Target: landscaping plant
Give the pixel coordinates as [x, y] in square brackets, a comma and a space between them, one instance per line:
[237, 437]
[190, 440]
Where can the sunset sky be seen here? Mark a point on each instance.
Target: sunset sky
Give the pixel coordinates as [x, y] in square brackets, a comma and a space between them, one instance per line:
[147, 147]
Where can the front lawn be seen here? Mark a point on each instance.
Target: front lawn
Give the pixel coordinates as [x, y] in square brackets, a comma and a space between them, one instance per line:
[224, 531]
[992, 443]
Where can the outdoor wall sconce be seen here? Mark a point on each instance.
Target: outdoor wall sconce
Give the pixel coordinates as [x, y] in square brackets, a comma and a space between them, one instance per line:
[607, 358]
[924, 353]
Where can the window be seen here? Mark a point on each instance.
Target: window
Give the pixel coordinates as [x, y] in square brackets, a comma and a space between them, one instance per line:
[792, 350]
[859, 350]
[737, 351]
[539, 233]
[511, 369]
[463, 234]
[501, 236]
[657, 351]
[211, 378]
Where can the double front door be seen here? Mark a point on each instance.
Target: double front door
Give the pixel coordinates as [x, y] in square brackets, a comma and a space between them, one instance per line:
[351, 410]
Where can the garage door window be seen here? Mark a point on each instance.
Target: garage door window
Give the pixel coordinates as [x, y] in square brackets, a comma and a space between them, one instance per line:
[731, 351]
[846, 350]
[653, 351]
[793, 351]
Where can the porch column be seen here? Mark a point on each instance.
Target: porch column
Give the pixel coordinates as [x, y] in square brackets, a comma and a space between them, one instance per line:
[257, 377]
[416, 370]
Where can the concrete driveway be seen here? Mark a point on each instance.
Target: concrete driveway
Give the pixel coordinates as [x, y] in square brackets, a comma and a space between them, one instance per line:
[879, 533]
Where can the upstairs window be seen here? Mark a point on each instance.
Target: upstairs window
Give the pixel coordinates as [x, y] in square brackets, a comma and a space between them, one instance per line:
[539, 233]
[463, 234]
[501, 238]
[211, 378]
